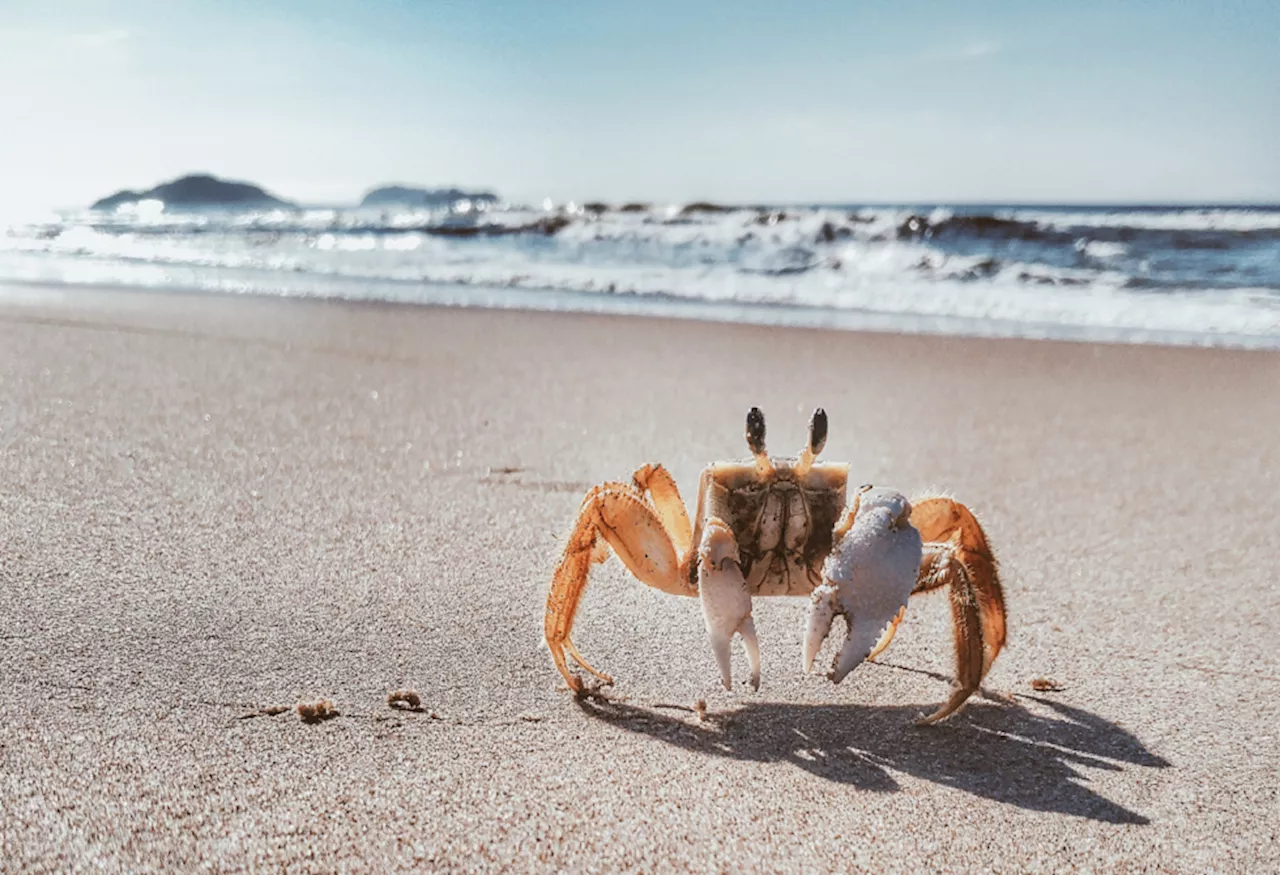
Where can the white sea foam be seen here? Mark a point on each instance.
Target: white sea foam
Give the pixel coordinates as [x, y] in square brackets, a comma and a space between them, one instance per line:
[889, 264]
[1232, 220]
[1101, 249]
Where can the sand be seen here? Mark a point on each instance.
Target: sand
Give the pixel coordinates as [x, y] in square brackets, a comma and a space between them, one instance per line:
[213, 508]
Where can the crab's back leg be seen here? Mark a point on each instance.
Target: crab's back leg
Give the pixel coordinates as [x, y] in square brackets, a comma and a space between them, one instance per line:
[956, 555]
[618, 514]
[582, 661]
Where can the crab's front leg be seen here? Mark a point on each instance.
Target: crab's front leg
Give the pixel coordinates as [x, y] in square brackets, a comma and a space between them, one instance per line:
[726, 601]
[867, 578]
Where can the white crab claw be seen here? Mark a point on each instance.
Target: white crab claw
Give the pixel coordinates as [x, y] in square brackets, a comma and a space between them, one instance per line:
[871, 573]
[726, 604]
[821, 612]
[857, 647]
[748, 632]
[720, 642]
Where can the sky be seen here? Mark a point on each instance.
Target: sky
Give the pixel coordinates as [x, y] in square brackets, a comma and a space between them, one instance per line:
[659, 101]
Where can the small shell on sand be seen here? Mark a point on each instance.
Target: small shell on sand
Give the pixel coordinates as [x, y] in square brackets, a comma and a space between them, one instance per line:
[407, 698]
[312, 712]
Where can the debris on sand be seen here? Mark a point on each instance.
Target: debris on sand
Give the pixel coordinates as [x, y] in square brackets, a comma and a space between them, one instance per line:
[698, 710]
[267, 711]
[595, 689]
[314, 712]
[405, 700]
[1046, 685]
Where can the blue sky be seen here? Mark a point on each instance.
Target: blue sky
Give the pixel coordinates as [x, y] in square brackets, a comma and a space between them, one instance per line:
[743, 101]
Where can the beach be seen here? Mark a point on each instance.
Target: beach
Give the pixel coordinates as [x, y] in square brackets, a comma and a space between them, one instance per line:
[215, 506]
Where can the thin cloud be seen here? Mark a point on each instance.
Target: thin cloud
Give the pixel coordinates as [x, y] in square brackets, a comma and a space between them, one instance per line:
[968, 52]
[99, 39]
[980, 50]
[17, 35]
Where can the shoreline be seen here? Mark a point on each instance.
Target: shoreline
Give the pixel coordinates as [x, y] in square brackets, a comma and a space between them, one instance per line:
[632, 305]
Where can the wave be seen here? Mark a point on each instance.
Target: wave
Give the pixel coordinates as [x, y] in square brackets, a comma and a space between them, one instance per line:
[1062, 306]
[916, 227]
[1235, 221]
[1199, 230]
[825, 225]
[1134, 267]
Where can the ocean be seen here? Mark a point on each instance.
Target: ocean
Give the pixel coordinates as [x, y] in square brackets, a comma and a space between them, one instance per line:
[1158, 274]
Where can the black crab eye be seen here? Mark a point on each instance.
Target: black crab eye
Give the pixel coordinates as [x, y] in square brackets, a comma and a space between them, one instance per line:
[818, 431]
[755, 431]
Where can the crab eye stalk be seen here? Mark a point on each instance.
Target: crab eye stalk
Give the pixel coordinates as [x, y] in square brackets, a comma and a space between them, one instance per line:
[818, 431]
[755, 431]
[817, 440]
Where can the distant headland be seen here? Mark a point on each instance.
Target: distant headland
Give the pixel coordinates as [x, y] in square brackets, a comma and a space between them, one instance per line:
[197, 191]
[411, 196]
[203, 191]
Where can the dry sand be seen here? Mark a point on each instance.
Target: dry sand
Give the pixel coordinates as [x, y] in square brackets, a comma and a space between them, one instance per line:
[212, 506]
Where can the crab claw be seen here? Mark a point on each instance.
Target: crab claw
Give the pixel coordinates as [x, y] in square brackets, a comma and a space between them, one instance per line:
[867, 577]
[726, 602]
[822, 611]
[860, 636]
[859, 640]
[748, 632]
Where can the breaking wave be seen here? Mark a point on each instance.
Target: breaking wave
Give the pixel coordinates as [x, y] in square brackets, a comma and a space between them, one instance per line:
[1206, 271]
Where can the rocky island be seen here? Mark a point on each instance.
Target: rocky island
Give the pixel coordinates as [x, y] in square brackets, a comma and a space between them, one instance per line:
[197, 191]
[410, 196]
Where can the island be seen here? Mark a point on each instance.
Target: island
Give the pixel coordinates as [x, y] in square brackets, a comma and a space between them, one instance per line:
[197, 191]
[411, 196]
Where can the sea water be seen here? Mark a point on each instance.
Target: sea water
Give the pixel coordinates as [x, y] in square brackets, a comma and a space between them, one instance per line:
[1170, 274]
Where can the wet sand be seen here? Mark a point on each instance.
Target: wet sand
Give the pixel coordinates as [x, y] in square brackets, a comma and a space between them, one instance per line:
[212, 506]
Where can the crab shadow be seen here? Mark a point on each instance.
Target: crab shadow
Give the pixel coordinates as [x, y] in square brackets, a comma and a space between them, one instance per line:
[1004, 752]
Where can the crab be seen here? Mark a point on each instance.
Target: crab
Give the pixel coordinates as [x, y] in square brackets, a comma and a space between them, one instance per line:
[780, 527]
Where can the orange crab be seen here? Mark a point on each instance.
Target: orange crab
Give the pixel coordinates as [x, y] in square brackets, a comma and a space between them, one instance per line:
[780, 527]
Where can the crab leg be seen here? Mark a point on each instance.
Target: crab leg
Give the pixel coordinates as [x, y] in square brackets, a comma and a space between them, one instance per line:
[956, 555]
[582, 662]
[665, 497]
[618, 514]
